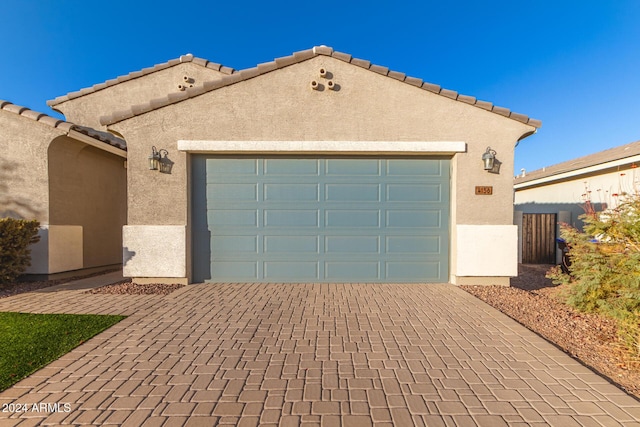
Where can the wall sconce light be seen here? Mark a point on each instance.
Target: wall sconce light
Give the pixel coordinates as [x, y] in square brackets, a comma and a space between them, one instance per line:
[158, 160]
[164, 163]
[489, 158]
[154, 159]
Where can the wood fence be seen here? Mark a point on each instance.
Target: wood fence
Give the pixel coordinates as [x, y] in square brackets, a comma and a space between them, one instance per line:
[539, 238]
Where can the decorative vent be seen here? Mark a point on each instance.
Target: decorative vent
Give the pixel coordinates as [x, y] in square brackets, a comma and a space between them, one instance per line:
[187, 83]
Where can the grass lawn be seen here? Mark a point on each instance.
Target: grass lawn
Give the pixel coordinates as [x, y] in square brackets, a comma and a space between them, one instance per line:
[28, 342]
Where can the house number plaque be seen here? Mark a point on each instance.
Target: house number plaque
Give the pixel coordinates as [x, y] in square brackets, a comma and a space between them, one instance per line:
[484, 190]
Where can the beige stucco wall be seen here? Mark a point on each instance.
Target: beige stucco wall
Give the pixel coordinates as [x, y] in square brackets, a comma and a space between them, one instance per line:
[76, 192]
[87, 110]
[281, 106]
[59, 249]
[87, 188]
[603, 188]
[24, 183]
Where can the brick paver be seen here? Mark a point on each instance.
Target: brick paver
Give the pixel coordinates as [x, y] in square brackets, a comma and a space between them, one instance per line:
[308, 354]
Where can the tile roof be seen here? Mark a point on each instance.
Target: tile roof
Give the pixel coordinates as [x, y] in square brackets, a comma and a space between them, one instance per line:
[135, 74]
[609, 155]
[63, 125]
[300, 56]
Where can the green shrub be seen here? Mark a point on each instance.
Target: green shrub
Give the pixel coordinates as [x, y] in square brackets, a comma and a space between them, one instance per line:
[604, 276]
[15, 237]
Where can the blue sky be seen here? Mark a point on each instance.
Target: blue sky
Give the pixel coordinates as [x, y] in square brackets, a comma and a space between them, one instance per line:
[575, 65]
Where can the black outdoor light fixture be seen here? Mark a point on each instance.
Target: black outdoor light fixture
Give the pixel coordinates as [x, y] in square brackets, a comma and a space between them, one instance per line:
[489, 158]
[154, 159]
[158, 160]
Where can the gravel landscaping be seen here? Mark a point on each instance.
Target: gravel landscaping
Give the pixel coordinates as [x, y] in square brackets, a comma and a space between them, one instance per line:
[535, 302]
[125, 287]
[129, 288]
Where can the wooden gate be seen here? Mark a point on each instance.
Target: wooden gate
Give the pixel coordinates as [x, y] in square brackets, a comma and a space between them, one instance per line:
[539, 238]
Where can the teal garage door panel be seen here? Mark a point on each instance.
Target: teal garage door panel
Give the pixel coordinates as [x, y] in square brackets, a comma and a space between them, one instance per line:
[320, 220]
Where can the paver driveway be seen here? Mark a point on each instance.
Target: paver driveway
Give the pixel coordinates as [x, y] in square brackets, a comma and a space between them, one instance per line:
[319, 354]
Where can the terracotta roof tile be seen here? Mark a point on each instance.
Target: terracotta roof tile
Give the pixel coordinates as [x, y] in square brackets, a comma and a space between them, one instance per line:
[414, 81]
[322, 50]
[67, 127]
[609, 155]
[431, 87]
[122, 115]
[62, 125]
[200, 61]
[213, 84]
[519, 117]
[136, 74]
[226, 70]
[449, 93]
[33, 115]
[397, 75]
[250, 72]
[265, 67]
[154, 104]
[342, 56]
[467, 99]
[105, 137]
[501, 110]
[178, 96]
[234, 78]
[195, 91]
[379, 69]
[299, 57]
[361, 63]
[17, 109]
[535, 122]
[137, 109]
[50, 121]
[486, 106]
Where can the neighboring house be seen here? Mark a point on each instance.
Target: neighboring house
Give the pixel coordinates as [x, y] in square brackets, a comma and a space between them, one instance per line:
[72, 180]
[562, 193]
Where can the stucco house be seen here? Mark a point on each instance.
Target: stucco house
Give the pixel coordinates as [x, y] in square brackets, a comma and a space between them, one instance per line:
[315, 167]
[561, 193]
[72, 180]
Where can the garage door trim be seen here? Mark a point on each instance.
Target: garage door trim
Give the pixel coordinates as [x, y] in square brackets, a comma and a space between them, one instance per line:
[324, 147]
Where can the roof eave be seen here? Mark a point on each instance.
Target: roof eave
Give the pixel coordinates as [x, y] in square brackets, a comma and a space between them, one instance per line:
[522, 183]
[138, 74]
[89, 136]
[298, 57]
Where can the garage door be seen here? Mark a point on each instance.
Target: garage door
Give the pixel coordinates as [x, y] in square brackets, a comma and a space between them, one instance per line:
[320, 220]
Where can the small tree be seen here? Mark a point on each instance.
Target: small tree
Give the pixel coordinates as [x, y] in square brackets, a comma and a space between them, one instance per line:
[15, 256]
[604, 275]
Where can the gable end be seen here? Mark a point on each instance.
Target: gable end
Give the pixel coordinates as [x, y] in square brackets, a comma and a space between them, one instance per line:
[299, 57]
